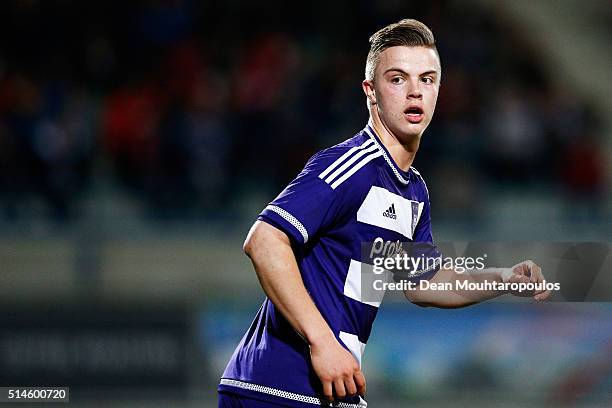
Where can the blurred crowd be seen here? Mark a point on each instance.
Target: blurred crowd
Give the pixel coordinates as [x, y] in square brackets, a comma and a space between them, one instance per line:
[191, 106]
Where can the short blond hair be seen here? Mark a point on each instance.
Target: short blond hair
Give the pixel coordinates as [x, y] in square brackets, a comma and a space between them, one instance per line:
[406, 32]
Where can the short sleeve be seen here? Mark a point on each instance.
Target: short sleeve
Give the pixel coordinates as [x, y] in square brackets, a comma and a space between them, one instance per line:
[422, 233]
[423, 243]
[306, 206]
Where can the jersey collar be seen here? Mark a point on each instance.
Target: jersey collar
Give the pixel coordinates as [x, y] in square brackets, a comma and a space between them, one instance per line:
[401, 175]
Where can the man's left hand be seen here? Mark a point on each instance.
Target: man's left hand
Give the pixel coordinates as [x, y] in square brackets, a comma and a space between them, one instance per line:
[529, 271]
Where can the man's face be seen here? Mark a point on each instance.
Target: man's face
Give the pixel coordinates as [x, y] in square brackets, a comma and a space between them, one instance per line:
[405, 89]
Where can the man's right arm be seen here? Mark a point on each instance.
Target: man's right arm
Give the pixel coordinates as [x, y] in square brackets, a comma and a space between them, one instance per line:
[270, 251]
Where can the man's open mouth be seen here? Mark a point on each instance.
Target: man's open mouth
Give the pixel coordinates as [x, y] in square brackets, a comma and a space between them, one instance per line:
[414, 114]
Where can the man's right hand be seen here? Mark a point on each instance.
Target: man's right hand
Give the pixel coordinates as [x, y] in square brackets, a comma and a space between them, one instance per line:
[337, 369]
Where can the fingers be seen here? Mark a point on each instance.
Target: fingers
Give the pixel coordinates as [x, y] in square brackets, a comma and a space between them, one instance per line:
[327, 390]
[360, 381]
[349, 384]
[338, 371]
[339, 389]
[518, 279]
[342, 387]
[533, 270]
[526, 272]
[520, 269]
[538, 277]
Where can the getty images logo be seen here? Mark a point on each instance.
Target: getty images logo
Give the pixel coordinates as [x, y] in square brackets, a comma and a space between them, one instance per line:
[390, 212]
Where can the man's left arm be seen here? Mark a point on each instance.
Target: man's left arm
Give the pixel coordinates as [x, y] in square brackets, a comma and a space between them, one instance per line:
[461, 296]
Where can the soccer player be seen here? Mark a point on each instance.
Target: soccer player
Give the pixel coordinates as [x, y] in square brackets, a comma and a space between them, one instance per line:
[305, 345]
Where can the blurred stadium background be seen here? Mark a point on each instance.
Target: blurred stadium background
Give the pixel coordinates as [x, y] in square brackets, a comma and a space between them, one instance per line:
[138, 141]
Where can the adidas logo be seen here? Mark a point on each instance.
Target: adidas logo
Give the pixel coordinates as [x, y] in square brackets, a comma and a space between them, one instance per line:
[390, 212]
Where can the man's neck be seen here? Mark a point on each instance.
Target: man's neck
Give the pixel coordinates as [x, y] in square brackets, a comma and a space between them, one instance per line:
[403, 153]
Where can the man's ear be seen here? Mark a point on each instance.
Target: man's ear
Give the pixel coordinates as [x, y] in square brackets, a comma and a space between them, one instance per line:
[368, 90]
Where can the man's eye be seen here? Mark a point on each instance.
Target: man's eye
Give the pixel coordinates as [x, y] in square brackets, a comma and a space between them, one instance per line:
[427, 80]
[397, 80]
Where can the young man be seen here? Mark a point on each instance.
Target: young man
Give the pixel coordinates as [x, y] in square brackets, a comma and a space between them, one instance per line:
[304, 347]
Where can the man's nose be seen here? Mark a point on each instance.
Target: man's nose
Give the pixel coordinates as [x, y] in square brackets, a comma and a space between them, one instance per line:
[414, 90]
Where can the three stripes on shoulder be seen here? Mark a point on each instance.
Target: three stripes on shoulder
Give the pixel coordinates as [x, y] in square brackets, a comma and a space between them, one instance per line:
[350, 162]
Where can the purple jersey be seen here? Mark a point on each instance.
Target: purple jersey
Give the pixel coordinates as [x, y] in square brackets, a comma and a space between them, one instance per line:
[349, 194]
